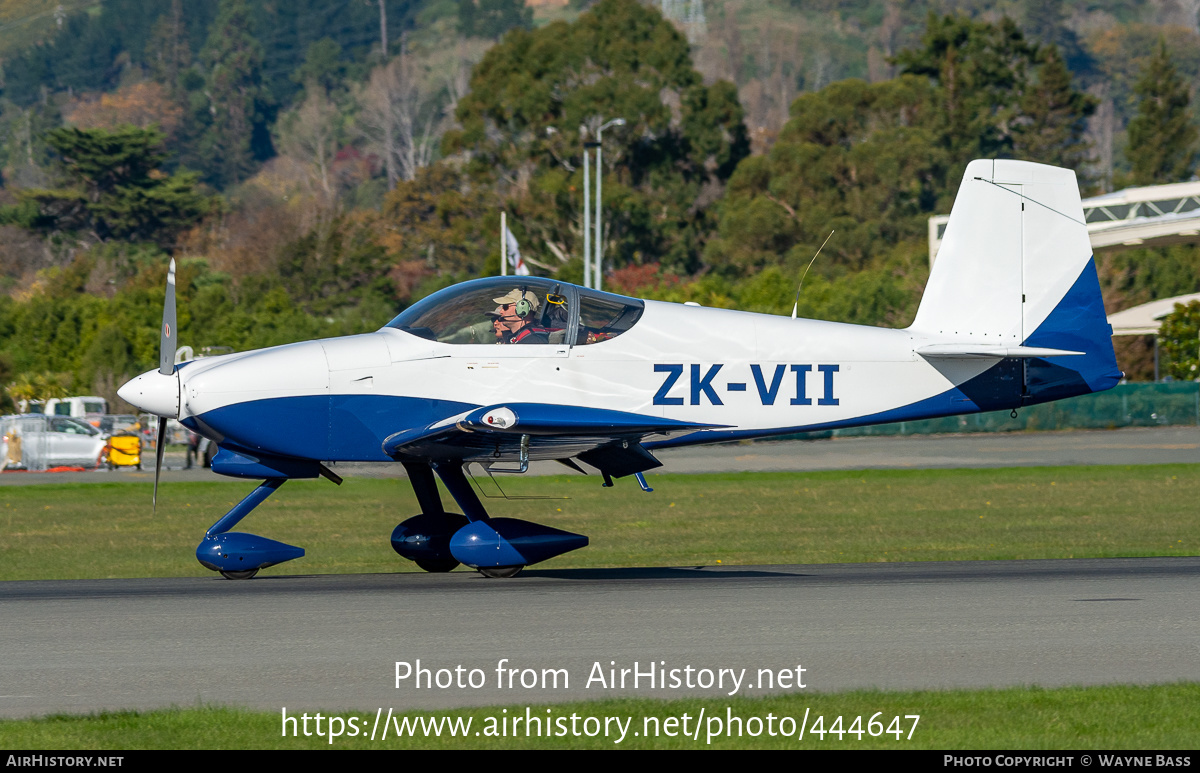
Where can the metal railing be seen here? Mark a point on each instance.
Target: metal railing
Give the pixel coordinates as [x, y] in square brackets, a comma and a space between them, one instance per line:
[1151, 216]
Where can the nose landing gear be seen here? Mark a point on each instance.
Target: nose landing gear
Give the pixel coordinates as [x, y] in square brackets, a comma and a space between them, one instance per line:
[239, 556]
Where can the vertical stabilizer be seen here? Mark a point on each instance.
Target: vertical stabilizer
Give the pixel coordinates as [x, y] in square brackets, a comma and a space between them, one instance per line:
[1015, 268]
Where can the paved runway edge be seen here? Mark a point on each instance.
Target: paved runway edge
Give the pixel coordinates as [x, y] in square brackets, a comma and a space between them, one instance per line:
[869, 573]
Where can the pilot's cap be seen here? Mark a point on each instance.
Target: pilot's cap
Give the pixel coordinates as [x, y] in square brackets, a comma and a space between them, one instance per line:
[514, 296]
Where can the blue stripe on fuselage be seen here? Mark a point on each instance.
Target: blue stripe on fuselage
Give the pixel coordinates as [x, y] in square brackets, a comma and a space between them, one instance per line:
[348, 428]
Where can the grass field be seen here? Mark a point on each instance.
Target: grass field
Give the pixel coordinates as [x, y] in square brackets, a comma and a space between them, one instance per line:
[1092, 718]
[76, 531]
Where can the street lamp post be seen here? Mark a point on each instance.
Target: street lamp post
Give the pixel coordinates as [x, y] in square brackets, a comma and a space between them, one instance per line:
[587, 214]
[599, 228]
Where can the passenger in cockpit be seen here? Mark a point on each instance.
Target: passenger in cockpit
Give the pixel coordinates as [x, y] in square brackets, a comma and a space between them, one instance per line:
[516, 312]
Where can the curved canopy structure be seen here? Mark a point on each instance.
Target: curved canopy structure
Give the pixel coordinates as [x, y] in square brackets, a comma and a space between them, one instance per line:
[1146, 319]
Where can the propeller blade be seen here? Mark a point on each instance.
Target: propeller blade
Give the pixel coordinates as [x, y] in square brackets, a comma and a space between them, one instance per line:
[166, 346]
[158, 454]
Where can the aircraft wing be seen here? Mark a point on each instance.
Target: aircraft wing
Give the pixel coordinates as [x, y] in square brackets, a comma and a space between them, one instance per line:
[606, 439]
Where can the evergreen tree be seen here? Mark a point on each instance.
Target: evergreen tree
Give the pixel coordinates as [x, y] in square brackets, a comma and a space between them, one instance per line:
[1162, 138]
[980, 70]
[534, 92]
[1054, 117]
[855, 157]
[322, 66]
[1180, 341]
[233, 58]
[492, 18]
[168, 50]
[1045, 21]
[112, 187]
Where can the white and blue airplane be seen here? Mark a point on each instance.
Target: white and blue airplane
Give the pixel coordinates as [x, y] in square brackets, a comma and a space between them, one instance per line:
[1011, 316]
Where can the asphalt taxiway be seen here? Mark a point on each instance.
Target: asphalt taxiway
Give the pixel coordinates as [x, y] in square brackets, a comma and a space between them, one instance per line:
[331, 642]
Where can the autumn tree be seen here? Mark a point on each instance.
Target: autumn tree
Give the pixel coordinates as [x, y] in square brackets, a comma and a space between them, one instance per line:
[398, 117]
[309, 134]
[144, 104]
[439, 222]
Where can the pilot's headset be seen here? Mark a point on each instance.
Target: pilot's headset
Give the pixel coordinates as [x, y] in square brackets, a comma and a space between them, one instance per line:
[523, 308]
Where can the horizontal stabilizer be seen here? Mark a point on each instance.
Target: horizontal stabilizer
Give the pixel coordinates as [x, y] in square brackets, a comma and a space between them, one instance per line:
[976, 351]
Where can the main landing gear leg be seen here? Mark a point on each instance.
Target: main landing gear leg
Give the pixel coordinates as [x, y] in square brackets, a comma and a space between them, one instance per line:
[456, 482]
[425, 538]
[498, 547]
[239, 556]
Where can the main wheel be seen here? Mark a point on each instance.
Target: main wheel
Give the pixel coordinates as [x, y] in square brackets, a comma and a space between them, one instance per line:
[498, 572]
[434, 565]
[245, 574]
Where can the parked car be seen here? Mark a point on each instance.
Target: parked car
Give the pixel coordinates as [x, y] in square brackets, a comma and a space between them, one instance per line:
[44, 441]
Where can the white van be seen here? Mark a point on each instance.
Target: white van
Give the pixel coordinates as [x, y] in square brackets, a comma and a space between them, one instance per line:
[87, 408]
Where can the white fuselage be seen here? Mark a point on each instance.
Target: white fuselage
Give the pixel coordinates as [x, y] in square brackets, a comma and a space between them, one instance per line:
[752, 373]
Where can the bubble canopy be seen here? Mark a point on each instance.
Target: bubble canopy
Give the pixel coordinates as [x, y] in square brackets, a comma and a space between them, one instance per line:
[564, 313]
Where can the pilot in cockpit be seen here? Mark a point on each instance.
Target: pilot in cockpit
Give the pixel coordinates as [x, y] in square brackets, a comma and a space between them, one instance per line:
[517, 312]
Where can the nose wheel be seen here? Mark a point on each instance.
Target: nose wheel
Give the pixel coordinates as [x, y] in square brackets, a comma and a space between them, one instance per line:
[500, 572]
[240, 575]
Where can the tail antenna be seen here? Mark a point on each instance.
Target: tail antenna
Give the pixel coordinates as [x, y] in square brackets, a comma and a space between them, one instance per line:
[796, 305]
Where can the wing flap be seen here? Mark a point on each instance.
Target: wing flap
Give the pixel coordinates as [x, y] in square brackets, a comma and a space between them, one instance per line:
[620, 459]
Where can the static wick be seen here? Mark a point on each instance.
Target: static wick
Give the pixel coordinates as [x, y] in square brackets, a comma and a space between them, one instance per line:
[796, 305]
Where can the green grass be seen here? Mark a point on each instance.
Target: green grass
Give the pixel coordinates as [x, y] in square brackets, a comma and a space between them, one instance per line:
[75, 531]
[1093, 718]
